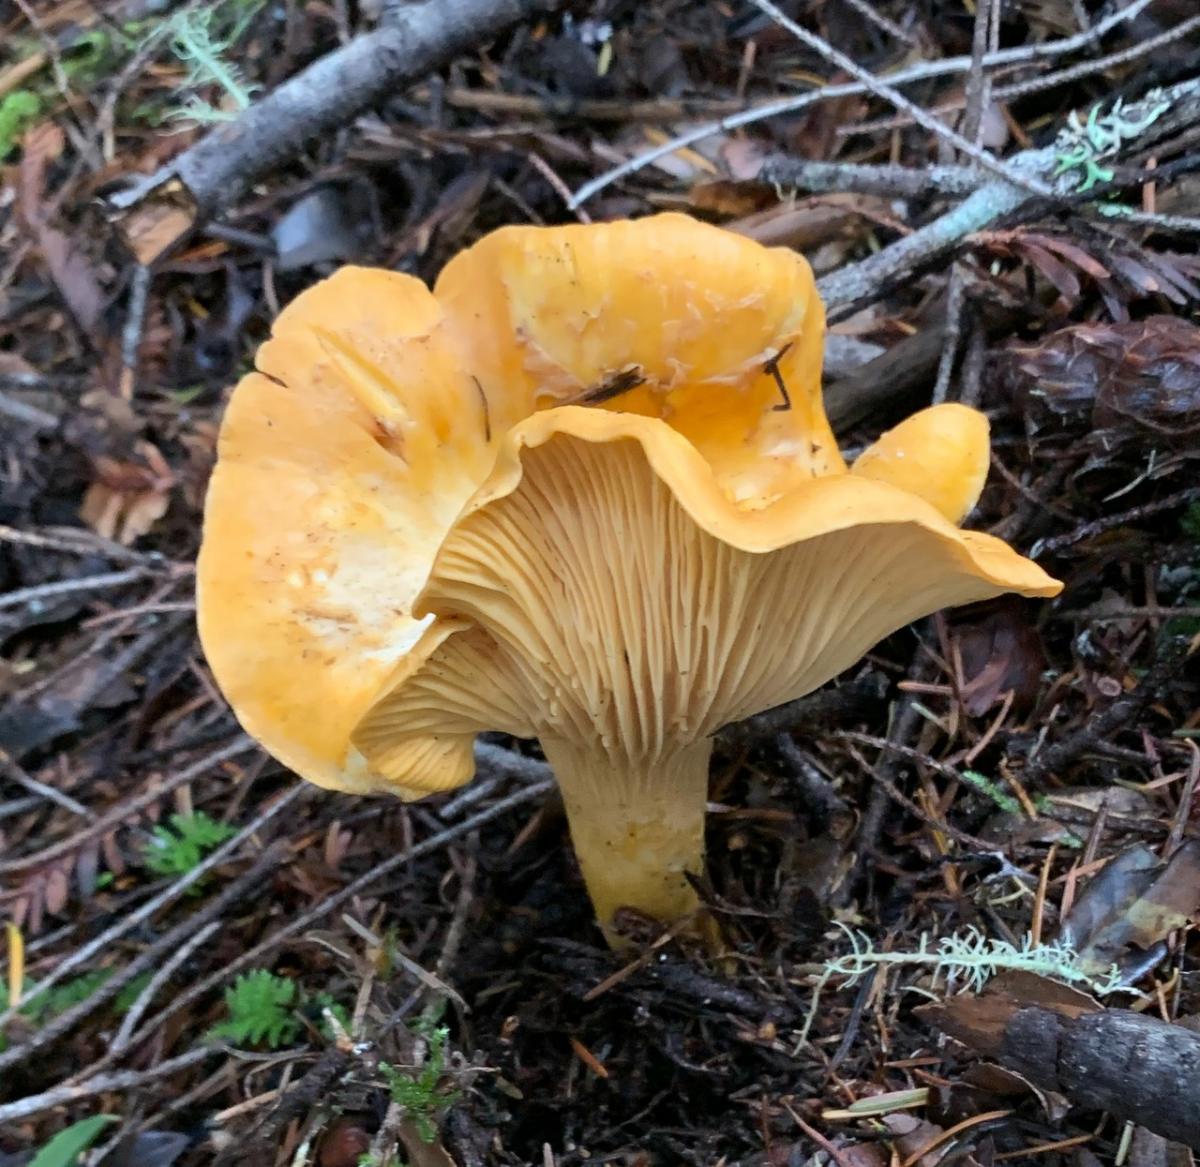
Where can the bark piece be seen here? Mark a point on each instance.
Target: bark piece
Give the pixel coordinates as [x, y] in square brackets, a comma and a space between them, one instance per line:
[1137, 1068]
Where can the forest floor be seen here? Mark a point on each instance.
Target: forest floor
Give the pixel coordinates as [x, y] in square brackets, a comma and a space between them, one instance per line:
[212, 962]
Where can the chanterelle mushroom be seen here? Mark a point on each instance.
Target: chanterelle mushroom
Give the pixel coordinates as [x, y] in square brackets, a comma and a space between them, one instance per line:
[584, 490]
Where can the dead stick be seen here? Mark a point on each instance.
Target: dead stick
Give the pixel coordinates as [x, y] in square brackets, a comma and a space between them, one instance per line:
[103, 1084]
[1137, 1068]
[892, 181]
[298, 1100]
[299, 924]
[329, 94]
[865, 281]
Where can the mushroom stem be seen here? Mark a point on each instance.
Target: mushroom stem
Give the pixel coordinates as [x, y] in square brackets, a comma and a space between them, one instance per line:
[637, 825]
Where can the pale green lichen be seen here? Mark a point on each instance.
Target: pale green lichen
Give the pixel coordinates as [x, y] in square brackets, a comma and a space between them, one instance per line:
[196, 41]
[1082, 145]
[967, 959]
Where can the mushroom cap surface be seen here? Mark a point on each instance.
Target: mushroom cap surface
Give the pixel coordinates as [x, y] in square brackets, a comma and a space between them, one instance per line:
[350, 602]
[940, 454]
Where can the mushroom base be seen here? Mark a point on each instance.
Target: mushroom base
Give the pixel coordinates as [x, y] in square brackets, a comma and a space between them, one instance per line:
[637, 825]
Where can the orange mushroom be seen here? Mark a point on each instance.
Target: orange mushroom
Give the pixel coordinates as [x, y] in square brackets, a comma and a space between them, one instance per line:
[585, 490]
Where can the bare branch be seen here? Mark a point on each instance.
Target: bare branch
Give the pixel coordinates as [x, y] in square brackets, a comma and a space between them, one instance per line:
[926, 70]
[327, 95]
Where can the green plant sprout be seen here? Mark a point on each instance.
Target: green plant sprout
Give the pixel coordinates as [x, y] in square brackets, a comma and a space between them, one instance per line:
[418, 1088]
[40, 1007]
[18, 111]
[127, 997]
[338, 1015]
[261, 1009]
[90, 55]
[266, 1009]
[196, 41]
[58, 998]
[989, 789]
[180, 848]
[1082, 145]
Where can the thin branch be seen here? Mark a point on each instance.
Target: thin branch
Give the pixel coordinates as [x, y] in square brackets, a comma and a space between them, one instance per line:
[328, 95]
[1017, 89]
[870, 12]
[925, 71]
[985, 38]
[978, 82]
[1053, 760]
[886, 181]
[495, 765]
[42, 594]
[101, 1084]
[75, 541]
[26, 414]
[866, 280]
[1111, 521]
[858, 281]
[123, 810]
[128, 922]
[889, 93]
[15, 773]
[1099, 64]
[250, 881]
[956, 296]
[156, 982]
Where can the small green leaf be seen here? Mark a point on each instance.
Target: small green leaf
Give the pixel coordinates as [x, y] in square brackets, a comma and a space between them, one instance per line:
[261, 1009]
[419, 1091]
[17, 112]
[65, 1148]
[178, 849]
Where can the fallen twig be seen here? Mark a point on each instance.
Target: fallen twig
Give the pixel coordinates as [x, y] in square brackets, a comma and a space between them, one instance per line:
[417, 39]
[251, 880]
[101, 1084]
[124, 810]
[26, 414]
[1110, 522]
[1026, 180]
[127, 923]
[14, 772]
[298, 1100]
[49, 592]
[1137, 1068]
[885, 181]
[814, 712]
[925, 71]
[843, 289]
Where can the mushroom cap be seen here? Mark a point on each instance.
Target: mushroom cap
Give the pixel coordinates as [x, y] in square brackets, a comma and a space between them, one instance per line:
[940, 454]
[341, 463]
[388, 427]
